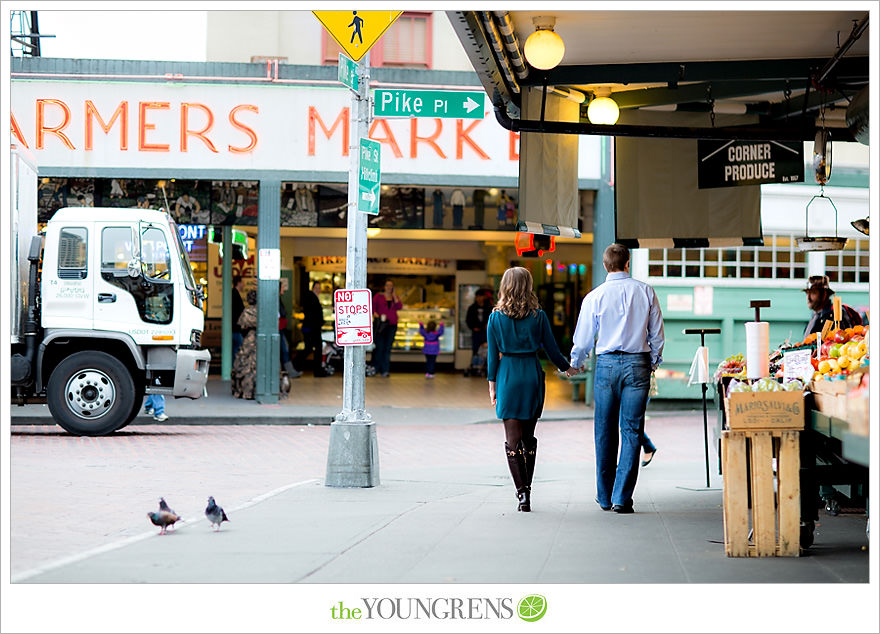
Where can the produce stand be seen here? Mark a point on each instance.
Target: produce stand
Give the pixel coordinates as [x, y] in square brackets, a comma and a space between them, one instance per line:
[833, 457]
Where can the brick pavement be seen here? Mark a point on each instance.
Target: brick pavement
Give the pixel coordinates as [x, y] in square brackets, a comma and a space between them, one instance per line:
[72, 494]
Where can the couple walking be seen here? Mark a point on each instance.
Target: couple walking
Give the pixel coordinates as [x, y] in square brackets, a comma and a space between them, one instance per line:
[621, 318]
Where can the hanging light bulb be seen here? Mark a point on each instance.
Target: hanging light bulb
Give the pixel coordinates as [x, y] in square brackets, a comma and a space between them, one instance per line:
[603, 109]
[544, 48]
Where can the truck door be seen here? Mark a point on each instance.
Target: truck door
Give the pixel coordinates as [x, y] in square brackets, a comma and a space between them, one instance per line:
[67, 284]
[115, 306]
[136, 290]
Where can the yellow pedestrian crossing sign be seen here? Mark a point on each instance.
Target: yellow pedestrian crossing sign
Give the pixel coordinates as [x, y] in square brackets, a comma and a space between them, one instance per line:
[356, 31]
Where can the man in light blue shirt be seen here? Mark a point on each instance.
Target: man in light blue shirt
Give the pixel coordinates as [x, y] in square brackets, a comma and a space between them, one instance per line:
[621, 318]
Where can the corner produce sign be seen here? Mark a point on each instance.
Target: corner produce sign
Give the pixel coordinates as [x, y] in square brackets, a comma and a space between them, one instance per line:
[353, 310]
[736, 163]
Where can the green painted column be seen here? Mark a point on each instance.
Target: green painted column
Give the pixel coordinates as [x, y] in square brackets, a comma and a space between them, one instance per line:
[226, 333]
[604, 211]
[268, 339]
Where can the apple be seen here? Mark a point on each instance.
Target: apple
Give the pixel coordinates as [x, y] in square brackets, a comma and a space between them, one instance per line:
[862, 349]
[834, 352]
[844, 362]
[840, 336]
[824, 366]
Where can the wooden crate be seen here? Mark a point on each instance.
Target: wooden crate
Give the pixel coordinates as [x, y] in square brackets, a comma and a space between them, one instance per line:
[830, 397]
[775, 514]
[774, 411]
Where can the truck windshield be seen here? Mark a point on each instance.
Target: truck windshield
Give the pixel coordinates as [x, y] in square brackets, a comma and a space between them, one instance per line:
[188, 279]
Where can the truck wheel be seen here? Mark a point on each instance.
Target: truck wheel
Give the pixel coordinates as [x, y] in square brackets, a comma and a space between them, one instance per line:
[139, 392]
[90, 394]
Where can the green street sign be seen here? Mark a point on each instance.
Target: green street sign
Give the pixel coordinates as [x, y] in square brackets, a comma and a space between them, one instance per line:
[348, 72]
[369, 176]
[443, 104]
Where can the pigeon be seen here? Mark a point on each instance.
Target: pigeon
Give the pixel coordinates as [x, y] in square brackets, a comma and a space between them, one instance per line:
[163, 519]
[163, 506]
[215, 514]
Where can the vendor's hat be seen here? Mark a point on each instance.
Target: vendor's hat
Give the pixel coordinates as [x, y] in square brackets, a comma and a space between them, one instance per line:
[818, 281]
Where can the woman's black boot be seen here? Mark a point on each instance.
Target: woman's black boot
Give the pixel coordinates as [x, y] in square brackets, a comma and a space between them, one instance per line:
[530, 450]
[517, 465]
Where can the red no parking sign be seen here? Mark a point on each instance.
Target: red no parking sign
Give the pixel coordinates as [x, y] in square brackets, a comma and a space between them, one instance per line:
[353, 309]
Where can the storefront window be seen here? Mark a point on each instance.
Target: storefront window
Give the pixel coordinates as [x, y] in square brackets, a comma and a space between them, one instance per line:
[778, 259]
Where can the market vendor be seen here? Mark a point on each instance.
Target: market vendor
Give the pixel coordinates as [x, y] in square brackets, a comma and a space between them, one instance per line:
[819, 301]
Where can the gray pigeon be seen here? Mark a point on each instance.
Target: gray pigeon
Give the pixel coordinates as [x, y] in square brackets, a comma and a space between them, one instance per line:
[164, 507]
[163, 519]
[215, 514]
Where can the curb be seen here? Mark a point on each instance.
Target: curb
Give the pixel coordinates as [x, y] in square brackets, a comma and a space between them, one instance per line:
[197, 420]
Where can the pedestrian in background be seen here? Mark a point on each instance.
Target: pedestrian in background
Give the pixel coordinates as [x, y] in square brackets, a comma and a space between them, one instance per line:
[312, 325]
[155, 406]
[431, 348]
[284, 346]
[621, 318]
[477, 319]
[517, 329]
[244, 367]
[385, 306]
[237, 310]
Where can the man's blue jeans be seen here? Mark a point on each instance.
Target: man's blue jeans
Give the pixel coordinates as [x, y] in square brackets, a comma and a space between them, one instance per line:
[621, 392]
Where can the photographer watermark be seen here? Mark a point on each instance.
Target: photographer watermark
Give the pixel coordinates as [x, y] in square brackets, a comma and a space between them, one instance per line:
[530, 608]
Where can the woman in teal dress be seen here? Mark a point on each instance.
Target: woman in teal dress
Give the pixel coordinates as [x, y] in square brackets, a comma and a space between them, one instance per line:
[517, 329]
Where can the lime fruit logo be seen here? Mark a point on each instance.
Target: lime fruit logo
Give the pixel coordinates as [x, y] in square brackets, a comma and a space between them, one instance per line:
[532, 608]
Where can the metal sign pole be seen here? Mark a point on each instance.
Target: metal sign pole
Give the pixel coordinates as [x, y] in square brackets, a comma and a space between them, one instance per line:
[703, 332]
[353, 457]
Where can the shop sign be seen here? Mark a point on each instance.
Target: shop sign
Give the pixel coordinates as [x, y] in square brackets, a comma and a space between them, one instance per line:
[163, 126]
[353, 310]
[401, 265]
[735, 163]
[195, 241]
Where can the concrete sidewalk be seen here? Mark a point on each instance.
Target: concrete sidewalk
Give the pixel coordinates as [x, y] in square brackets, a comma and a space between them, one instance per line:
[454, 522]
[458, 524]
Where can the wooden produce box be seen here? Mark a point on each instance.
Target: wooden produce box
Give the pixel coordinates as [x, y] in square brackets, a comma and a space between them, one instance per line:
[762, 507]
[857, 403]
[830, 397]
[773, 411]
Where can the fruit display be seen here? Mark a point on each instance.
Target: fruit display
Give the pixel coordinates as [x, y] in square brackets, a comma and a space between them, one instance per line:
[734, 365]
[841, 352]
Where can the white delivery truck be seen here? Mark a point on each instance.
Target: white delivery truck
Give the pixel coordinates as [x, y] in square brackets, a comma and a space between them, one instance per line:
[105, 310]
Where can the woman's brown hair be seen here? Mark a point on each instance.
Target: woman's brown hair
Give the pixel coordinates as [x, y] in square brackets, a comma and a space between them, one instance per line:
[516, 295]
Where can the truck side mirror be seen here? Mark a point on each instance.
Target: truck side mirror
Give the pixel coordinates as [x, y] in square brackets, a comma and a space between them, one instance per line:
[134, 267]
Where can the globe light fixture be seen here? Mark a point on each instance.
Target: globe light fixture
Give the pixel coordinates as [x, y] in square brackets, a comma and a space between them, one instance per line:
[603, 109]
[544, 48]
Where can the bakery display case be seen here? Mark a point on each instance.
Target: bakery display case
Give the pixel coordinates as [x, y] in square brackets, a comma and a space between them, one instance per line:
[408, 339]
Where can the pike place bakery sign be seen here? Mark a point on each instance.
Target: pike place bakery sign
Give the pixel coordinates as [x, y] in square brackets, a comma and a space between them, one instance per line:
[735, 163]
